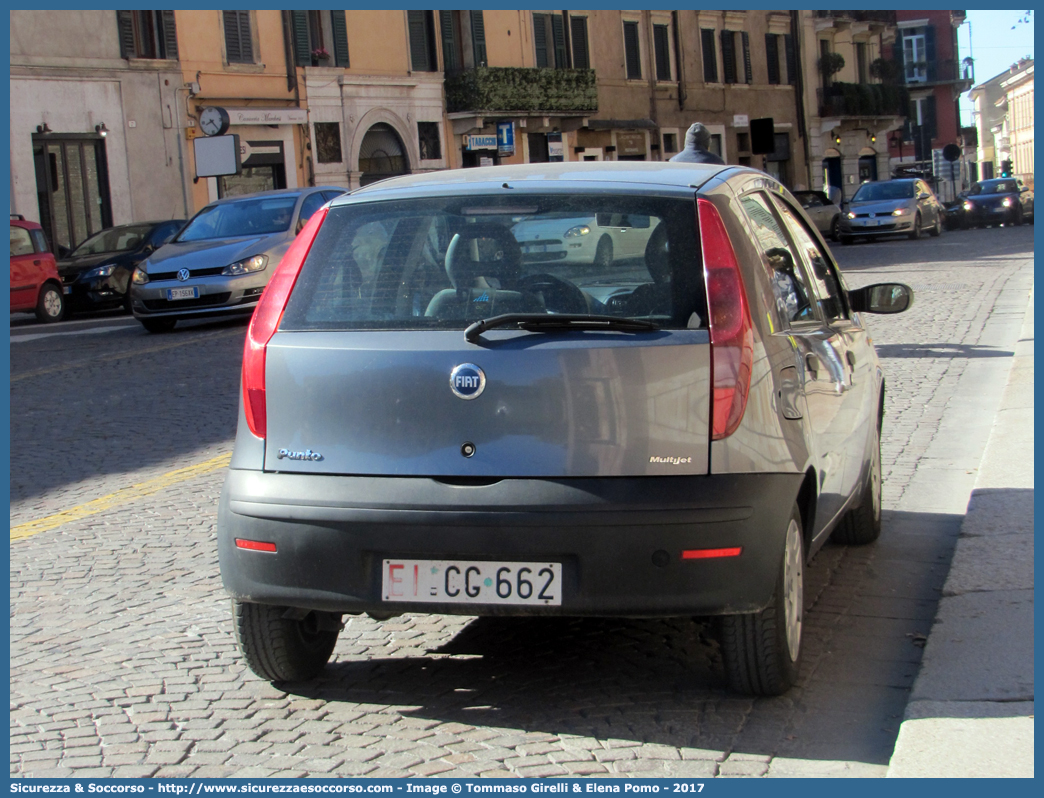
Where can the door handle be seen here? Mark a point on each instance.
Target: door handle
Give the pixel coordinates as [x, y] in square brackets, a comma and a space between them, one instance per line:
[812, 364]
[851, 358]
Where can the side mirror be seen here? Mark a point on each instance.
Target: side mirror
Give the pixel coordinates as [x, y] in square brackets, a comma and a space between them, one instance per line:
[923, 195]
[881, 298]
[1023, 189]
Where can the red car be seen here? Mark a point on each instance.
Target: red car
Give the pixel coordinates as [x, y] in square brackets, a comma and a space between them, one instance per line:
[35, 284]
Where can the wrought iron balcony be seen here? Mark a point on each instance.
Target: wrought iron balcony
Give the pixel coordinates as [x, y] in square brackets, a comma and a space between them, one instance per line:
[931, 73]
[863, 99]
[487, 90]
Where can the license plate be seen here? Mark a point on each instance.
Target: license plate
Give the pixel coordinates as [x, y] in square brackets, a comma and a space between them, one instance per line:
[66, 289]
[872, 223]
[536, 248]
[183, 293]
[472, 582]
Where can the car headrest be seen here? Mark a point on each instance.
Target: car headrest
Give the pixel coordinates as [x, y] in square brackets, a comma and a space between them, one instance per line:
[483, 251]
[657, 256]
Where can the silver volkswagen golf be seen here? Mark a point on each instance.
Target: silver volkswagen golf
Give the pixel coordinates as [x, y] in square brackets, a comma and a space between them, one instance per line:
[220, 262]
[430, 421]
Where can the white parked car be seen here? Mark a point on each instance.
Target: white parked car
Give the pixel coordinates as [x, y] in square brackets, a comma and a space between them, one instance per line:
[597, 240]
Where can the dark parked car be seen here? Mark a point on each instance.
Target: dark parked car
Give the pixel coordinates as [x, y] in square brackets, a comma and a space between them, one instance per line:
[97, 273]
[35, 284]
[439, 424]
[1003, 200]
[220, 262]
[954, 216]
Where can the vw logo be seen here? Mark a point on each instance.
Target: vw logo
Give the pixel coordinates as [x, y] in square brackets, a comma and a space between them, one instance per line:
[467, 381]
[872, 215]
[183, 274]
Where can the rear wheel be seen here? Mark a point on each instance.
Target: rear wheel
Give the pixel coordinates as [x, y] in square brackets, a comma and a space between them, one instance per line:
[50, 306]
[158, 325]
[916, 232]
[862, 524]
[762, 650]
[283, 649]
[835, 228]
[936, 231]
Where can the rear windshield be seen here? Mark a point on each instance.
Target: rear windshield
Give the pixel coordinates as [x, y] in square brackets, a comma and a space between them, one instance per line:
[874, 192]
[442, 263]
[249, 217]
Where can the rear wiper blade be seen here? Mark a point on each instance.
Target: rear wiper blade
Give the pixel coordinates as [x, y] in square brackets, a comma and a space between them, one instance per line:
[540, 322]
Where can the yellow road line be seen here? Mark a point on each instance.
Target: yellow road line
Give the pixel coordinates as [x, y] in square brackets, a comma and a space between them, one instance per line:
[125, 354]
[122, 496]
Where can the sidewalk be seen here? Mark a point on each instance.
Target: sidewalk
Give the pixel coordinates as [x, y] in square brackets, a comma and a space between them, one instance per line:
[971, 709]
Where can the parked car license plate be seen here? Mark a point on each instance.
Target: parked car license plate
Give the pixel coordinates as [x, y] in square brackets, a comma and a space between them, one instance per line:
[535, 248]
[472, 582]
[183, 293]
[872, 223]
[66, 289]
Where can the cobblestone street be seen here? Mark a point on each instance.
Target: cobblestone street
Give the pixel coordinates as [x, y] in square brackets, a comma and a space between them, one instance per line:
[123, 660]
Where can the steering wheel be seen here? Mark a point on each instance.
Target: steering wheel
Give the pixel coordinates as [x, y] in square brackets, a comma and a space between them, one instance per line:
[560, 296]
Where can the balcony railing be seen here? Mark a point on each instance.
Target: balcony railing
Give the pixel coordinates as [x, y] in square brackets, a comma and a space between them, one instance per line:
[885, 17]
[863, 99]
[518, 89]
[941, 71]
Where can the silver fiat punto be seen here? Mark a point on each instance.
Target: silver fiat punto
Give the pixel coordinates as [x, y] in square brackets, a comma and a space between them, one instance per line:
[432, 420]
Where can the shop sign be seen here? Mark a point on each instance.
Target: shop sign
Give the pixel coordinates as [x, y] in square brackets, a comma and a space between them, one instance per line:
[505, 138]
[740, 120]
[267, 116]
[555, 147]
[630, 144]
[472, 143]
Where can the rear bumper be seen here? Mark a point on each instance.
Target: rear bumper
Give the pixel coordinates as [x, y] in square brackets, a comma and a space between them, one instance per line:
[332, 534]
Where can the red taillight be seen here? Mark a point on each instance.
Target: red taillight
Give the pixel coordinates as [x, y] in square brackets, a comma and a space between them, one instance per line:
[711, 554]
[731, 329]
[255, 545]
[265, 322]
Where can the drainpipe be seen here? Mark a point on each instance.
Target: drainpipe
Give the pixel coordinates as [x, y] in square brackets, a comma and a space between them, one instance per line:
[799, 93]
[679, 62]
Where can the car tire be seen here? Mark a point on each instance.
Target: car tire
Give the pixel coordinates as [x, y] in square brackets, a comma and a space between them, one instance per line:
[158, 325]
[862, 525]
[916, 232]
[761, 650]
[604, 253]
[835, 229]
[845, 240]
[282, 649]
[936, 231]
[50, 305]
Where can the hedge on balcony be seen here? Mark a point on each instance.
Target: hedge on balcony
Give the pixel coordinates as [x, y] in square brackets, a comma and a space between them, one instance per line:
[871, 99]
[502, 89]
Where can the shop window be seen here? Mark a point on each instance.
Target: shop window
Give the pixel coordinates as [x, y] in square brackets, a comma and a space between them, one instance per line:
[428, 137]
[328, 142]
[147, 34]
[710, 56]
[632, 51]
[239, 43]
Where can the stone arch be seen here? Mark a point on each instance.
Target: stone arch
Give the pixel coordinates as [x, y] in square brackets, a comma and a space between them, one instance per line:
[377, 116]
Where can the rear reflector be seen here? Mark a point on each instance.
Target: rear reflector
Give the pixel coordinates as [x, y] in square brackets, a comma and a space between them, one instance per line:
[255, 545]
[731, 329]
[710, 554]
[265, 322]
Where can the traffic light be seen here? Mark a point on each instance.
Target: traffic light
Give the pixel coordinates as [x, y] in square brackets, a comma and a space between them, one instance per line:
[1005, 168]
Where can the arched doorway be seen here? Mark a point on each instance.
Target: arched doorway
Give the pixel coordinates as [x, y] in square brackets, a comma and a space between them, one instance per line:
[382, 155]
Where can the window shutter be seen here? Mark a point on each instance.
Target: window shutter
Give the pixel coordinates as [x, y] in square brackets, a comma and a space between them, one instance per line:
[418, 41]
[897, 55]
[788, 46]
[772, 54]
[340, 38]
[540, 39]
[581, 59]
[663, 52]
[302, 42]
[170, 36]
[450, 53]
[558, 37]
[710, 57]
[728, 55]
[929, 119]
[929, 50]
[125, 27]
[634, 64]
[748, 73]
[478, 38]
